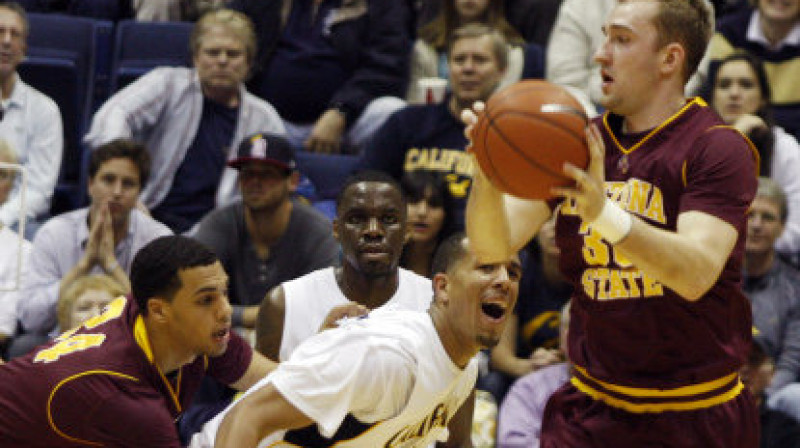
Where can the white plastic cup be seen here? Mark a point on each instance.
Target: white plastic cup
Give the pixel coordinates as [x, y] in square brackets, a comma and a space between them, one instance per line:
[432, 90]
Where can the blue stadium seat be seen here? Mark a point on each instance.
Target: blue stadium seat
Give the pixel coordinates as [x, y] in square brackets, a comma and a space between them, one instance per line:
[142, 46]
[326, 171]
[61, 62]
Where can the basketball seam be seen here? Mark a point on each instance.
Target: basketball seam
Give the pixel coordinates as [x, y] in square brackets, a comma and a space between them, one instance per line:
[516, 150]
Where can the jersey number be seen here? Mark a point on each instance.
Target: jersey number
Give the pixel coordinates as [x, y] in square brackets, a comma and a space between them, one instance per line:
[70, 342]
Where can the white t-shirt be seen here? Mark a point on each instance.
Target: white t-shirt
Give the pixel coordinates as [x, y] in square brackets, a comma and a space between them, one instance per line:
[309, 299]
[11, 276]
[388, 372]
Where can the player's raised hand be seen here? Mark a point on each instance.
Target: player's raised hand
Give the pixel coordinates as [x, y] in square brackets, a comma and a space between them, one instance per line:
[588, 193]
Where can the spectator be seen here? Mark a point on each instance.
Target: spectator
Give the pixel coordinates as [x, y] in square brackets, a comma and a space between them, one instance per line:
[334, 70]
[173, 10]
[371, 226]
[430, 50]
[428, 200]
[124, 378]
[430, 137]
[85, 298]
[778, 430]
[266, 238]
[741, 95]
[192, 120]
[520, 419]
[29, 121]
[15, 253]
[769, 30]
[773, 288]
[102, 238]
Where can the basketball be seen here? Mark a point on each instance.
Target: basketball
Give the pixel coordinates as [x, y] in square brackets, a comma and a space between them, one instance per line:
[526, 133]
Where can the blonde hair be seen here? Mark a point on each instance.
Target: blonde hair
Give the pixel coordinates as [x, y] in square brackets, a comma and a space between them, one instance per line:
[97, 282]
[234, 21]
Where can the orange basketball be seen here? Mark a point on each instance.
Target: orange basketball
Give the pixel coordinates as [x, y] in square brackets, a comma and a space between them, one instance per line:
[525, 135]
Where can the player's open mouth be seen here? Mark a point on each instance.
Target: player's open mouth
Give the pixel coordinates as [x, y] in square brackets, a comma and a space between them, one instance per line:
[222, 335]
[494, 311]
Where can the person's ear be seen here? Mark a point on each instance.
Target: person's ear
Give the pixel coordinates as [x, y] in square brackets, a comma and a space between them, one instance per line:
[672, 59]
[158, 309]
[441, 288]
[294, 181]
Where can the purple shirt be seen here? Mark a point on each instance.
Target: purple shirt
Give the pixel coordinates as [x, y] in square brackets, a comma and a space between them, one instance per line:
[520, 419]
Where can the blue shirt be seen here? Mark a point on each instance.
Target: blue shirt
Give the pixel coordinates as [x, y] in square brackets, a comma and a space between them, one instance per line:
[305, 71]
[426, 137]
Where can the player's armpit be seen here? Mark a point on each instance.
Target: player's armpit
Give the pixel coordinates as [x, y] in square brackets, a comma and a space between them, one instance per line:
[256, 416]
[269, 323]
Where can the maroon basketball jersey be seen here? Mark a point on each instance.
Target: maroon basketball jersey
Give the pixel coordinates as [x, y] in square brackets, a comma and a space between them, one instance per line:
[97, 386]
[627, 328]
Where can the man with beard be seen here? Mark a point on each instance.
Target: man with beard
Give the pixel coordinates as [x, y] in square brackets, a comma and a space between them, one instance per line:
[392, 378]
[266, 237]
[371, 226]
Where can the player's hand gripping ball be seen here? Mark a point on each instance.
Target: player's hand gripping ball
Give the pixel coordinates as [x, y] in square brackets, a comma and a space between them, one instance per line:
[524, 136]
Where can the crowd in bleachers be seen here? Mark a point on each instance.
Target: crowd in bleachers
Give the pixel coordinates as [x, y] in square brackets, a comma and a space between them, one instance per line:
[237, 122]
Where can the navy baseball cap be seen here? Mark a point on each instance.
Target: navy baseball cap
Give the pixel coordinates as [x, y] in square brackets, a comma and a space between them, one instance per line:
[265, 148]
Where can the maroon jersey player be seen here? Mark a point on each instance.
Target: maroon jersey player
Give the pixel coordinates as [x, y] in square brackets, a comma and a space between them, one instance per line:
[651, 235]
[123, 378]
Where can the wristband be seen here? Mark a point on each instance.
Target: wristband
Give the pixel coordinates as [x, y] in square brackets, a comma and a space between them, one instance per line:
[613, 223]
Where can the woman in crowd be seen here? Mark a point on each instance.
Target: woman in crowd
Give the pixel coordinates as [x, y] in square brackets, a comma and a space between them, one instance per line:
[428, 201]
[740, 93]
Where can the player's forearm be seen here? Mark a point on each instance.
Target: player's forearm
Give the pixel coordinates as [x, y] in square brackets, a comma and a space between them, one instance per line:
[688, 266]
[486, 220]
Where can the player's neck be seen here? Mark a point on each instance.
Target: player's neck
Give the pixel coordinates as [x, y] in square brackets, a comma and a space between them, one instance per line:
[371, 291]
[657, 111]
[458, 348]
[166, 356]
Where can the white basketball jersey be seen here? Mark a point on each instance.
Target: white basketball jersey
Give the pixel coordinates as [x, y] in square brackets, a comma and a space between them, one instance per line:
[382, 381]
[309, 299]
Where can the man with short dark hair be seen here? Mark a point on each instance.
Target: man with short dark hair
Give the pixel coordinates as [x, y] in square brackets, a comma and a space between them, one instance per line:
[101, 238]
[371, 226]
[29, 121]
[391, 378]
[124, 377]
[266, 238]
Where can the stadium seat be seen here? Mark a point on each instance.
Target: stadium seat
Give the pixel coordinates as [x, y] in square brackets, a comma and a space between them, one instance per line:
[326, 171]
[142, 46]
[61, 62]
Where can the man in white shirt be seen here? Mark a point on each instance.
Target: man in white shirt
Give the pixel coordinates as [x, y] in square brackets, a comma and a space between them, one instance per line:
[371, 226]
[393, 378]
[29, 121]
